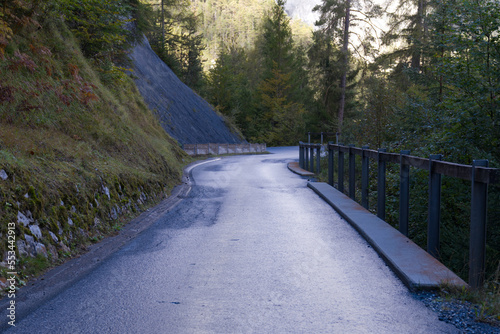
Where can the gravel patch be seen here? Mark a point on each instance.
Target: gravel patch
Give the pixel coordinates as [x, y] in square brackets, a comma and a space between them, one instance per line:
[461, 314]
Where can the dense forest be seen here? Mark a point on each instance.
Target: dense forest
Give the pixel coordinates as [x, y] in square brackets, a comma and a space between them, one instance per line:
[428, 80]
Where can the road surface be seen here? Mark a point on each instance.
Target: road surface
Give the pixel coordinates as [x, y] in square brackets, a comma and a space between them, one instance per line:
[250, 250]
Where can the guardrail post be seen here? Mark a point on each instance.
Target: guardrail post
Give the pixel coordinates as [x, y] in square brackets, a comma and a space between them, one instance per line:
[404, 194]
[365, 178]
[434, 208]
[318, 159]
[330, 165]
[301, 155]
[341, 170]
[306, 157]
[311, 159]
[352, 173]
[477, 246]
[381, 185]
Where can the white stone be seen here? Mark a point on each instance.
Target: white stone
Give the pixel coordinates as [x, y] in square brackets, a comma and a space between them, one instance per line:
[53, 252]
[35, 230]
[29, 239]
[21, 218]
[113, 213]
[30, 215]
[41, 249]
[106, 191]
[22, 248]
[3, 175]
[30, 245]
[54, 237]
[64, 248]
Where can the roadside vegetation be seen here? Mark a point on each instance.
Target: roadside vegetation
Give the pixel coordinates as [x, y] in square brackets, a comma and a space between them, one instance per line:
[80, 152]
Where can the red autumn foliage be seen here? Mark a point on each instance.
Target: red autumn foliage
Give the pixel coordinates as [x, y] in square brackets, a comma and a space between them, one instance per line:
[22, 60]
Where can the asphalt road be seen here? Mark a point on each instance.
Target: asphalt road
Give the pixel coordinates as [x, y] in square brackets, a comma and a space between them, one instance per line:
[250, 250]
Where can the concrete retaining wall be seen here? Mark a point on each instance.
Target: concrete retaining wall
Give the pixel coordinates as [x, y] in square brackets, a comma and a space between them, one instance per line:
[217, 149]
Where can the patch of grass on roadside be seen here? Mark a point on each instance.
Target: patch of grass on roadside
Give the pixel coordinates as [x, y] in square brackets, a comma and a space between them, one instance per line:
[33, 266]
[486, 300]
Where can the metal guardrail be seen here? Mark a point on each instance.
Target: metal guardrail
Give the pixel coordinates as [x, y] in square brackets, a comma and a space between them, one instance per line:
[306, 156]
[478, 173]
[217, 149]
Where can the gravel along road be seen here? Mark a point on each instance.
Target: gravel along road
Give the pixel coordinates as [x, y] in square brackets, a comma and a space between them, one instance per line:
[250, 249]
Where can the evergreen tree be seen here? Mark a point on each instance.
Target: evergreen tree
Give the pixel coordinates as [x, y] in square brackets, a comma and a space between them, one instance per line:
[277, 41]
[335, 24]
[408, 23]
[177, 40]
[281, 113]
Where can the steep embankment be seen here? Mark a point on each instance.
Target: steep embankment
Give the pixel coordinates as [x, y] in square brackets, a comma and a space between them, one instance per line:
[182, 113]
[80, 152]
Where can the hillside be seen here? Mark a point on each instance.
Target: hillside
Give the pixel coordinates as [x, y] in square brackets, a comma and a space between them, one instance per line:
[80, 151]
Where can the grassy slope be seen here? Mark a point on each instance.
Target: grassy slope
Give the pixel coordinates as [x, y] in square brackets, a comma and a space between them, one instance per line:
[65, 137]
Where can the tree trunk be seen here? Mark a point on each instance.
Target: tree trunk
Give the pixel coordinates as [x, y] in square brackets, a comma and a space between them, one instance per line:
[419, 35]
[162, 24]
[345, 55]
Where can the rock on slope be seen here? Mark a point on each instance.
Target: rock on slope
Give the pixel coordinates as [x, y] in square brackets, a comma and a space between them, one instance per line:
[183, 114]
[302, 9]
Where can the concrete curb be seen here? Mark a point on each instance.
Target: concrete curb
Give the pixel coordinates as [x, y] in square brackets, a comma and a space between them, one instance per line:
[294, 167]
[56, 280]
[415, 267]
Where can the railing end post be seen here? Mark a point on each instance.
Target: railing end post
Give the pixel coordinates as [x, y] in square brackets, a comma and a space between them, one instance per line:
[477, 246]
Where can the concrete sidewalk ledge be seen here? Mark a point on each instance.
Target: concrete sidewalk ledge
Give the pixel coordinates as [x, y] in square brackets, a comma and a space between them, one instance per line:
[294, 167]
[414, 266]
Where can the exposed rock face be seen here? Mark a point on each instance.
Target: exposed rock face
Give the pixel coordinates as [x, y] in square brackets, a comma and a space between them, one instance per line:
[302, 9]
[183, 114]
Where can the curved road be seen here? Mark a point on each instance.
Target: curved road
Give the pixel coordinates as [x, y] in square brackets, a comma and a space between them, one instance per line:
[250, 250]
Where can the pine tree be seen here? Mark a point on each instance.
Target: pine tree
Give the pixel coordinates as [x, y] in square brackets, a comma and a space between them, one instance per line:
[282, 115]
[335, 23]
[408, 23]
[178, 41]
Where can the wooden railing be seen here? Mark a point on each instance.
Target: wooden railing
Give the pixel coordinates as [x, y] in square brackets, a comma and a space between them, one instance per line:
[218, 149]
[478, 174]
